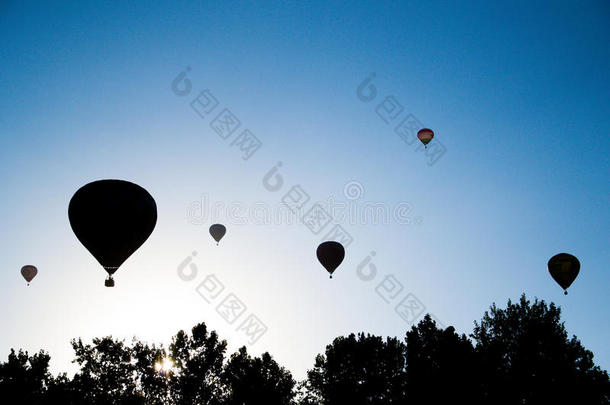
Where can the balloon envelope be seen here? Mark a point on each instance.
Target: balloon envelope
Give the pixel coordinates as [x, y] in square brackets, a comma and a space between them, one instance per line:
[564, 268]
[425, 135]
[29, 272]
[217, 231]
[112, 219]
[330, 254]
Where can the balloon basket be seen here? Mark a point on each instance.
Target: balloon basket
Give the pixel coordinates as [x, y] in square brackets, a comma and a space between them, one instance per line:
[109, 282]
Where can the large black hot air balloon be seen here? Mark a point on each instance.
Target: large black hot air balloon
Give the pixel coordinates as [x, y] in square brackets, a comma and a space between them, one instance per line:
[564, 268]
[330, 254]
[217, 231]
[112, 219]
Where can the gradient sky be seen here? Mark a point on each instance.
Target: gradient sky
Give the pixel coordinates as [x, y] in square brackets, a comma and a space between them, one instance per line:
[516, 92]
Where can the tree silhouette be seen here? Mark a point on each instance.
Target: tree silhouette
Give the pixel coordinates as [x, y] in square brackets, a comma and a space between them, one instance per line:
[62, 390]
[107, 372]
[199, 360]
[527, 358]
[441, 366]
[521, 355]
[24, 376]
[359, 370]
[153, 384]
[258, 380]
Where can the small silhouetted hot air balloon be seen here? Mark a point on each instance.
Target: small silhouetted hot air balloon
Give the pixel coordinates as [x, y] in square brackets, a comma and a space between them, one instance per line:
[29, 272]
[112, 219]
[564, 268]
[330, 254]
[217, 231]
[425, 135]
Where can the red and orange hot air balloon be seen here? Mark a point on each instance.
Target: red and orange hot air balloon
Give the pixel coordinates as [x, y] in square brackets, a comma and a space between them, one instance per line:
[425, 135]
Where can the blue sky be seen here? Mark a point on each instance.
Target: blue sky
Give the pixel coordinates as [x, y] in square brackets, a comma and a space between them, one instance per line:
[516, 92]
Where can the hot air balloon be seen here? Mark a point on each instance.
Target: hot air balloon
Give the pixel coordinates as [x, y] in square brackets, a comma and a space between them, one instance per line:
[112, 219]
[330, 254]
[29, 272]
[425, 135]
[217, 231]
[564, 268]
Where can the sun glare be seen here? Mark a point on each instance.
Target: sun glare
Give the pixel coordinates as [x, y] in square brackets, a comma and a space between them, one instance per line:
[165, 365]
